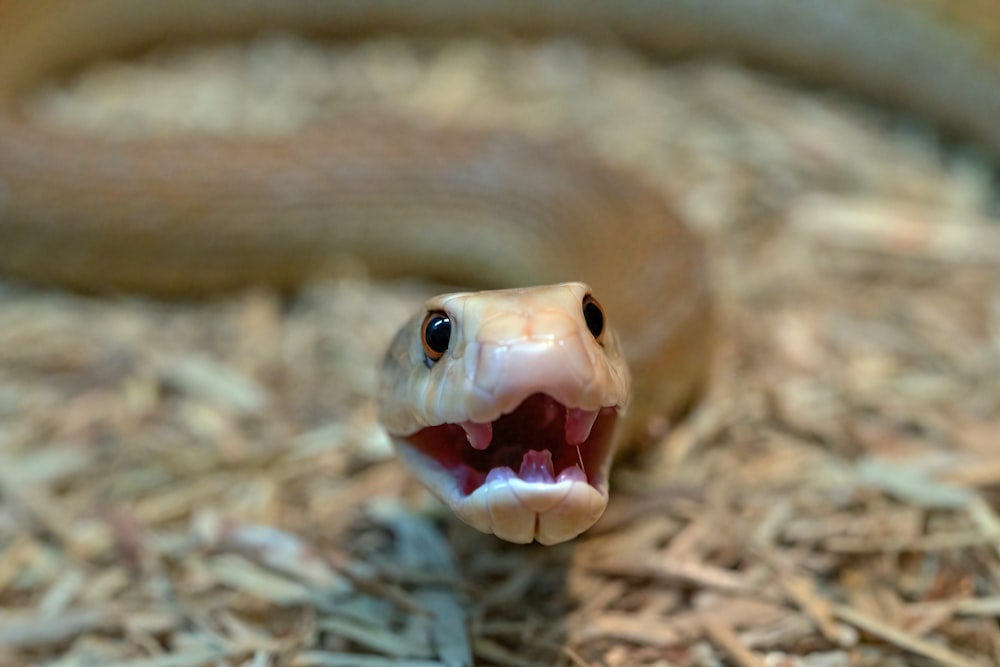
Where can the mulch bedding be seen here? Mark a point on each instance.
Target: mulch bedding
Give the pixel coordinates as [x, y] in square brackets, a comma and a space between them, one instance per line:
[204, 483]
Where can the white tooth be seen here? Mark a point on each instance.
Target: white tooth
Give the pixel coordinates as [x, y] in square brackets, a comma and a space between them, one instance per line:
[578, 425]
[480, 435]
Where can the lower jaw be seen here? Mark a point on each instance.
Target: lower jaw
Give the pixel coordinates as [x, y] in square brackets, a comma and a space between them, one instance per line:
[520, 511]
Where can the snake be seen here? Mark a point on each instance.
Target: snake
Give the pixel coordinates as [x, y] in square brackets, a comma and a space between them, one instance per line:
[595, 313]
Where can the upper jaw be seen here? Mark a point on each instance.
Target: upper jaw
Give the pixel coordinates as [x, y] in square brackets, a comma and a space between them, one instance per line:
[577, 425]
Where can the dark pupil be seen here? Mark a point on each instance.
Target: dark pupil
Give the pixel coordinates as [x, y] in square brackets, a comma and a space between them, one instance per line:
[438, 333]
[594, 318]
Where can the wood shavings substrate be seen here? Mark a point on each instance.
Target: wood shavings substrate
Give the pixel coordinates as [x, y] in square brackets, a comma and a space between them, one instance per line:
[203, 483]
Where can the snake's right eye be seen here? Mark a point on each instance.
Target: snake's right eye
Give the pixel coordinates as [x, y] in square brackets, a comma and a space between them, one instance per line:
[435, 334]
[593, 315]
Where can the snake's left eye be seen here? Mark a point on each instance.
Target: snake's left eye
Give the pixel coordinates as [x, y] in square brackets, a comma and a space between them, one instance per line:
[435, 334]
[593, 315]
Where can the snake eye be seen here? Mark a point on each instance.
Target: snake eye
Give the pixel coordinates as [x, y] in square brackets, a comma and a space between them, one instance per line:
[435, 334]
[593, 315]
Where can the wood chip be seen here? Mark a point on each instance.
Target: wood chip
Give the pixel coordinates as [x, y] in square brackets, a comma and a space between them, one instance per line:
[726, 639]
[904, 640]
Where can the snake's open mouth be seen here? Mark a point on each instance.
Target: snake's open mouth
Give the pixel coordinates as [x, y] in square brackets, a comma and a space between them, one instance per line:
[542, 441]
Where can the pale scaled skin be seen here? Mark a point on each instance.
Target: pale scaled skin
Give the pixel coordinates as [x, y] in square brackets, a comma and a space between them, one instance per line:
[505, 346]
[197, 214]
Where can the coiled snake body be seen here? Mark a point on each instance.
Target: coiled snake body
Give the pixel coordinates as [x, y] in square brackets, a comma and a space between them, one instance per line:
[504, 403]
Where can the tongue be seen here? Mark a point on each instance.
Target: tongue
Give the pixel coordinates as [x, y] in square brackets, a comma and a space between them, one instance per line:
[537, 467]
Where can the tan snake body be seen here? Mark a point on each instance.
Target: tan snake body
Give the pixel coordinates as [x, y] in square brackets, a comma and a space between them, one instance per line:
[184, 215]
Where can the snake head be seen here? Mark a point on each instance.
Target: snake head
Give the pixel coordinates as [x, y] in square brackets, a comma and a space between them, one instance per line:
[504, 403]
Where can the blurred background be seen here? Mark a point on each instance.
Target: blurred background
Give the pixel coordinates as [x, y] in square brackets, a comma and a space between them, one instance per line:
[203, 482]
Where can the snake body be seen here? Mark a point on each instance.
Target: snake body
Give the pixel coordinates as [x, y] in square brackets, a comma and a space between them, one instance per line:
[183, 215]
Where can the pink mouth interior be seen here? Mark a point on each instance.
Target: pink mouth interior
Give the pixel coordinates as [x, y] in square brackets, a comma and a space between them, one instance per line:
[524, 442]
